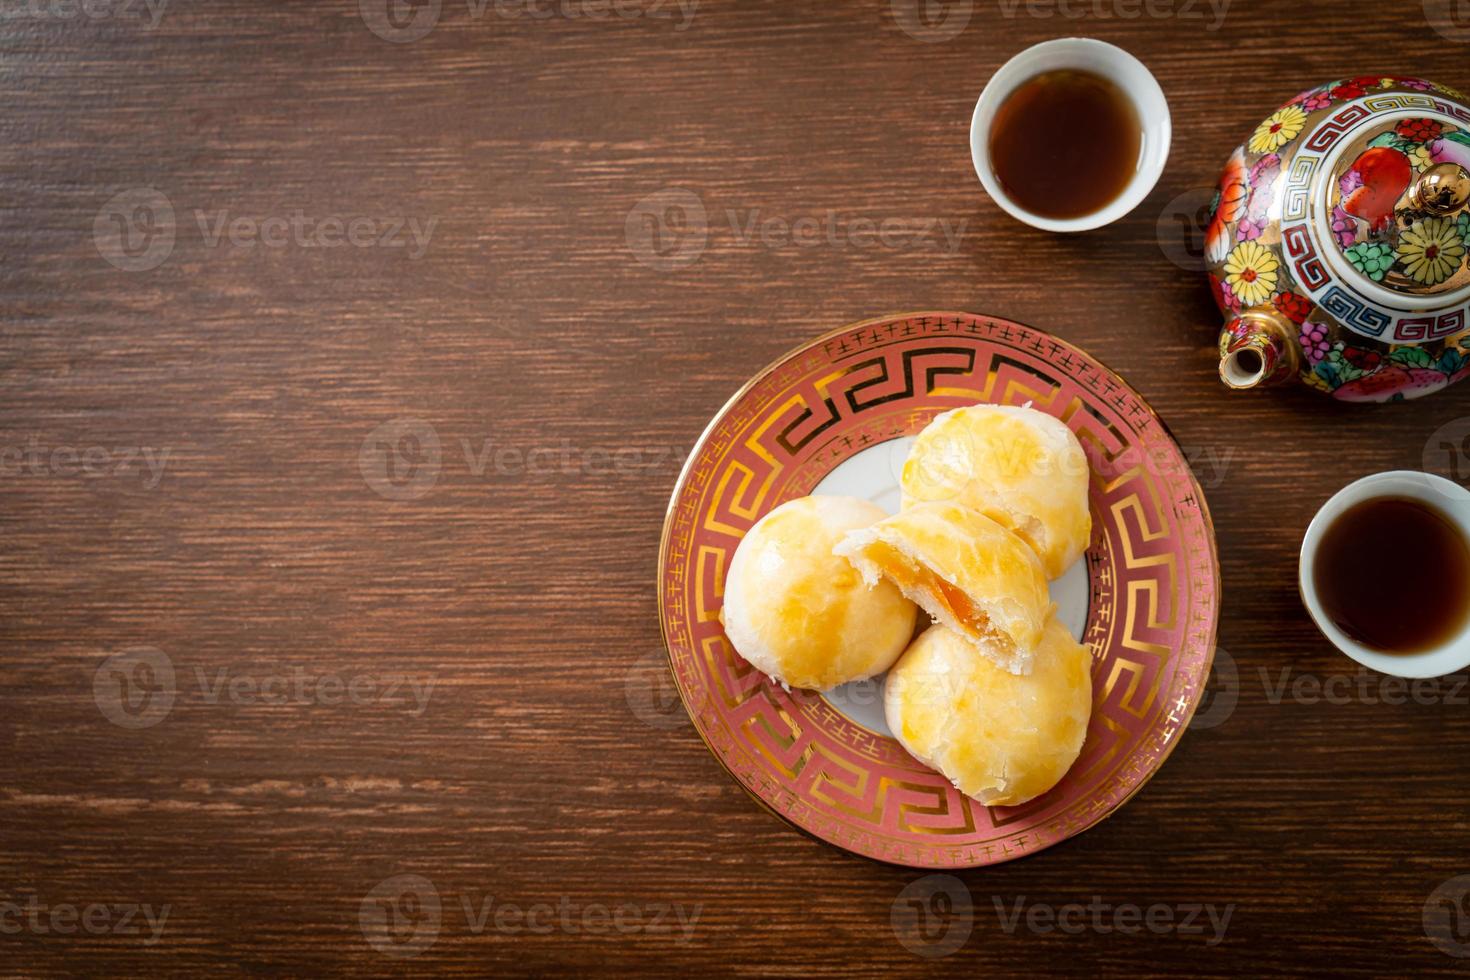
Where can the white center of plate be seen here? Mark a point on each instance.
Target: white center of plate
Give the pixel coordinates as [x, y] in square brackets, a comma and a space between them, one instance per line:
[873, 474]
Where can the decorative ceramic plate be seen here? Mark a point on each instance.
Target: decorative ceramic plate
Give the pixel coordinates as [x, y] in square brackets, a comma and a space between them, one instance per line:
[837, 416]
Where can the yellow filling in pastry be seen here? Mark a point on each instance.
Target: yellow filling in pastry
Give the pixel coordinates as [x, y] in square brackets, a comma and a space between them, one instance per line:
[922, 584]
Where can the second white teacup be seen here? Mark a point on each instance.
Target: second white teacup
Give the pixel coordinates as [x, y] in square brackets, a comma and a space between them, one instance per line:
[1098, 58]
[1444, 497]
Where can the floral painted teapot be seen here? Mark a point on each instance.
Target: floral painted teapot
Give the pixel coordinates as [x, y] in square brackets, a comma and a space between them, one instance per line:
[1338, 244]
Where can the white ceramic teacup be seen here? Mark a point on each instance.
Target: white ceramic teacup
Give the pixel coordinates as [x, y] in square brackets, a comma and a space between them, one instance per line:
[1448, 498]
[1100, 58]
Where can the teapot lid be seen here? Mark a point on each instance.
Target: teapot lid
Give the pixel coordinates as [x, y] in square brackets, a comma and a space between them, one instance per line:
[1395, 203]
[1375, 212]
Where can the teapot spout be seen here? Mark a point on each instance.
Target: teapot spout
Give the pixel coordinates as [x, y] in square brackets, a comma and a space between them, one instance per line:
[1258, 349]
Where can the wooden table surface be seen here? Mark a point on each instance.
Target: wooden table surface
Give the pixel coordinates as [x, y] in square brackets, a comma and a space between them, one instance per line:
[263, 657]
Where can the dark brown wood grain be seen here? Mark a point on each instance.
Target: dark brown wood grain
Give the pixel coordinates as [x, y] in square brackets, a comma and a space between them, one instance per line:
[564, 380]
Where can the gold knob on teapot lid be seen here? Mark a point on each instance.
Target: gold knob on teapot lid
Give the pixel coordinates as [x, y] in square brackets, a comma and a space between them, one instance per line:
[1442, 189]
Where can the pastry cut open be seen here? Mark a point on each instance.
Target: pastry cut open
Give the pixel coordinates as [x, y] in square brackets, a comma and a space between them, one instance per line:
[966, 570]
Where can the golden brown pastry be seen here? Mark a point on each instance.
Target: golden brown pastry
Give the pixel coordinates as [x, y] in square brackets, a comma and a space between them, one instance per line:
[804, 616]
[967, 571]
[1017, 466]
[1000, 738]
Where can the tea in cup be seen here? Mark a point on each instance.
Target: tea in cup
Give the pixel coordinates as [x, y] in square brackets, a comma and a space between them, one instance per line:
[1070, 135]
[1385, 573]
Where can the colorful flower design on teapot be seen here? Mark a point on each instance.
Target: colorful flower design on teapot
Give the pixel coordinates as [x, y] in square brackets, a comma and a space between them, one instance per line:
[1338, 242]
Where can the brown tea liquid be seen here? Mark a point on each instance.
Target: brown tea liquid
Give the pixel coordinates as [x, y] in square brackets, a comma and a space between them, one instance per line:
[1065, 144]
[1394, 574]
